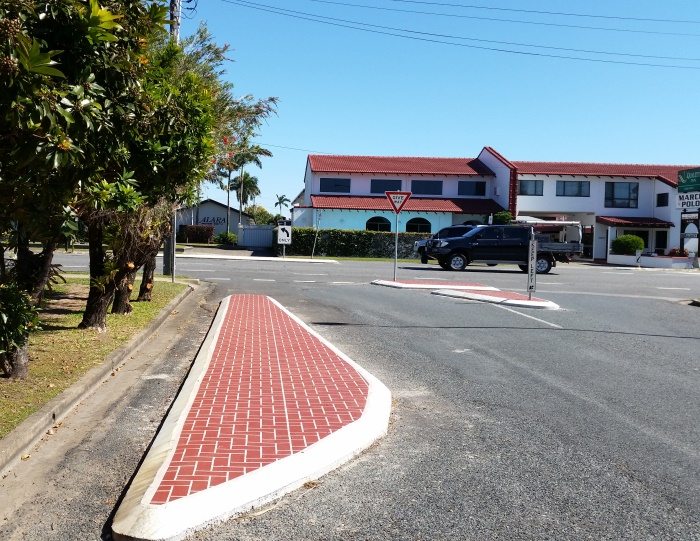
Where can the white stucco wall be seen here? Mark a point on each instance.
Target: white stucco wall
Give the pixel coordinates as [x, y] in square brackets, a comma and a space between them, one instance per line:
[501, 182]
[357, 219]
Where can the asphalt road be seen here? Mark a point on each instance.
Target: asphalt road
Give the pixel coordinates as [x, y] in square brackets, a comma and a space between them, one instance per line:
[507, 423]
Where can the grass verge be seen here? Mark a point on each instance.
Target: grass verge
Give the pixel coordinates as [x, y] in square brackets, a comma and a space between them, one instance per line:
[60, 353]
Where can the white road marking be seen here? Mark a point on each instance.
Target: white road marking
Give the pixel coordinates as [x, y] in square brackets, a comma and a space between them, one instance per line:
[220, 279]
[551, 283]
[681, 288]
[528, 316]
[311, 273]
[305, 281]
[460, 350]
[263, 280]
[342, 283]
[620, 273]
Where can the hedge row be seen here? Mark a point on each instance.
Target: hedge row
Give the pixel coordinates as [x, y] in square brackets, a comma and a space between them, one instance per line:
[195, 233]
[343, 243]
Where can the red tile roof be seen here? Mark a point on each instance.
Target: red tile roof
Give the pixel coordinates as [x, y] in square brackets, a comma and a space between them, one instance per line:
[665, 173]
[418, 204]
[630, 221]
[397, 165]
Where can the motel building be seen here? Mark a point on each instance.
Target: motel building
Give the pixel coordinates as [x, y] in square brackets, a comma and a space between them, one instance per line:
[347, 192]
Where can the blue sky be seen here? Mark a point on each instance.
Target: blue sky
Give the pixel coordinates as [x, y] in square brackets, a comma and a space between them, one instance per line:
[346, 91]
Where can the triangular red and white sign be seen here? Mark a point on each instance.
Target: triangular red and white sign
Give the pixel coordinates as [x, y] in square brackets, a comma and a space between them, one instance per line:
[398, 199]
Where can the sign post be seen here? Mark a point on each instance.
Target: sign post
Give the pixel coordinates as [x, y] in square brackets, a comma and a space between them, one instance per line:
[532, 266]
[397, 200]
[284, 235]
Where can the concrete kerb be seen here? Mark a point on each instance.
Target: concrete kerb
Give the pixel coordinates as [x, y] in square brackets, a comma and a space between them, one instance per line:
[525, 303]
[136, 519]
[32, 429]
[427, 285]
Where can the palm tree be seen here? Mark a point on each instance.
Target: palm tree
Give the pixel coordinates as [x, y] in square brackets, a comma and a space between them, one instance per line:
[282, 201]
[246, 187]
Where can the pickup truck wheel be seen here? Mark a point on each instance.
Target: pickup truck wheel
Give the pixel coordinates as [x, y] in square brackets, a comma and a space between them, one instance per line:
[457, 261]
[523, 268]
[543, 265]
[444, 263]
[424, 259]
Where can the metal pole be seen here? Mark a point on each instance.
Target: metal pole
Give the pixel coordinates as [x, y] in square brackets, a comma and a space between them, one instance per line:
[170, 243]
[396, 245]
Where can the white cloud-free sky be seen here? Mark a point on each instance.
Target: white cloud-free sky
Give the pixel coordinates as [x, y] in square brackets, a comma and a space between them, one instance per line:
[467, 76]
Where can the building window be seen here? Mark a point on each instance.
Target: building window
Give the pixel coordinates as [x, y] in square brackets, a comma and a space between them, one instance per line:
[335, 185]
[573, 188]
[662, 200]
[621, 194]
[418, 225]
[471, 187]
[426, 187]
[641, 233]
[661, 239]
[530, 187]
[378, 223]
[381, 185]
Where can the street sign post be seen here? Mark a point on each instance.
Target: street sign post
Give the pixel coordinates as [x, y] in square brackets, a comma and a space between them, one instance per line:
[532, 267]
[397, 200]
[284, 235]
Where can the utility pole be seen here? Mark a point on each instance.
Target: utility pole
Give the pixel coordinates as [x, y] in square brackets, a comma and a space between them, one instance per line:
[170, 243]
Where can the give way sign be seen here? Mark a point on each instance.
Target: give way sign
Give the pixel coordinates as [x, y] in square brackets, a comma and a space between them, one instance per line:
[398, 199]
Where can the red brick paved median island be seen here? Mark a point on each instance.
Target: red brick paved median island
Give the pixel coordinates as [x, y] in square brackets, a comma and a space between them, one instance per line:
[271, 389]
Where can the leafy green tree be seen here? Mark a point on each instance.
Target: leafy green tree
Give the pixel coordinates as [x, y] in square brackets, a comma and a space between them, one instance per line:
[17, 318]
[260, 214]
[282, 201]
[245, 187]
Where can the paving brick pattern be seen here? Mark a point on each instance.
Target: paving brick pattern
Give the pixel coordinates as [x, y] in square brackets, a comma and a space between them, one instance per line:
[271, 389]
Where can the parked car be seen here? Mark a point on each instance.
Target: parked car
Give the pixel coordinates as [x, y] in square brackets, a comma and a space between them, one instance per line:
[445, 232]
[494, 244]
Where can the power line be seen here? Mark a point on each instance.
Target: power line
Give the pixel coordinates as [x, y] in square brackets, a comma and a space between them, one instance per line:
[294, 148]
[519, 21]
[559, 13]
[354, 26]
[464, 38]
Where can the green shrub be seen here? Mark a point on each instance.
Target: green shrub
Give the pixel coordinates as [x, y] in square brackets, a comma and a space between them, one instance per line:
[229, 239]
[627, 244]
[17, 318]
[503, 217]
[196, 233]
[346, 243]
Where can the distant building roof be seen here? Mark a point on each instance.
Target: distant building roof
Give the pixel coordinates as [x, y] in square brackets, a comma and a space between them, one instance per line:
[665, 173]
[397, 165]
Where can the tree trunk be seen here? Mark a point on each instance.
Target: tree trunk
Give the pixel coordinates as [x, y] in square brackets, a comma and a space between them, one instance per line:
[15, 363]
[122, 295]
[101, 287]
[147, 280]
[43, 272]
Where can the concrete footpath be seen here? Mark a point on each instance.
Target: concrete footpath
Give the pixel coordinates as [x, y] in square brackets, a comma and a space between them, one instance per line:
[268, 405]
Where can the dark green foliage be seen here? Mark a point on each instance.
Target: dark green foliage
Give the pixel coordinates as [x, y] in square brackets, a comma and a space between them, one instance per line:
[627, 244]
[343, 243]
[17, 318]
[228, 239]
[503, 217]
[196, 233]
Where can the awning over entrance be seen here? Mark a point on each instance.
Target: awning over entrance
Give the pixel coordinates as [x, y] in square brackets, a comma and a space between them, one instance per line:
[626, 221]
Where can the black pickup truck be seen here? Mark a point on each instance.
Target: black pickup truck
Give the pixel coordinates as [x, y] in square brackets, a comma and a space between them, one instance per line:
[494, 244]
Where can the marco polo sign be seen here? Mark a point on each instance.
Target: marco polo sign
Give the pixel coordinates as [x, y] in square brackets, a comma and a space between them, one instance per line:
[689, 189]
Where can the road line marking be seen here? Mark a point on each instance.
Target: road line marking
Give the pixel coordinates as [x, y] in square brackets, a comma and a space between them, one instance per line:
[681, 288]
[305, 281]
[551, 283]
[311, 273]
[342, 283]
[529, 316]
[620, 273]
[220, 279]
[263, 280]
